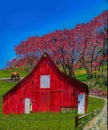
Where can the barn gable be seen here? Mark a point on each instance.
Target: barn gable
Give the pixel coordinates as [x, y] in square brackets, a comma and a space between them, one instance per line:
[48, 83]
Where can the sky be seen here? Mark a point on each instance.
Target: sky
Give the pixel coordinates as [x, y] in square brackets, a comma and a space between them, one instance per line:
[25, 18]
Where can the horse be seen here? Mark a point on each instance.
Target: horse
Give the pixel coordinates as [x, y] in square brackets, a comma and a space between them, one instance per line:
[15, 76]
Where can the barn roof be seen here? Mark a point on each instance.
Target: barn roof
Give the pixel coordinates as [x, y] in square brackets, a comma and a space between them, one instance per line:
[65, 77]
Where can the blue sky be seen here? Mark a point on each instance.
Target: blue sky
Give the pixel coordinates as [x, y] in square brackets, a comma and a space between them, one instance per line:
[24, 18]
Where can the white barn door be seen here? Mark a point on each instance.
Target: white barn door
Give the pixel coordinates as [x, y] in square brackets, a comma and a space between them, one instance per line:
[81, 103]
[27, 106]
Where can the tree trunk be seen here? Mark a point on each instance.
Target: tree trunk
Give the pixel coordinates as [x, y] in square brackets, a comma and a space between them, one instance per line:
[92, 58]
[102, 60]
[71, 73]
[86, 68]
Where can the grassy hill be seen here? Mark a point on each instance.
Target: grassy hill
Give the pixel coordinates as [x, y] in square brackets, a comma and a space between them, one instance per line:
[6, 73]
[98, 81]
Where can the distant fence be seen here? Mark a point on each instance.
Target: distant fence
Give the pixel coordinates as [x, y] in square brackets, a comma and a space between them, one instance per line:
[82, 120]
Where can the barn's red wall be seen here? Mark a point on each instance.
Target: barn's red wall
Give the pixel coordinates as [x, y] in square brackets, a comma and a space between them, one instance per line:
[62, 93]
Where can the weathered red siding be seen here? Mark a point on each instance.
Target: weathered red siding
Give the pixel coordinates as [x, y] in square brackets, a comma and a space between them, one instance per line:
[63, 91]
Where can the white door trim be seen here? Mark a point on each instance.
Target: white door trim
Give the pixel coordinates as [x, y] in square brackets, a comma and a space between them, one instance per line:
[81, 103]
[27, 105]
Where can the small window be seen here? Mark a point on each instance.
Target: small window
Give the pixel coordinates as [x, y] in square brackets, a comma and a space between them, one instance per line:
[45, 81]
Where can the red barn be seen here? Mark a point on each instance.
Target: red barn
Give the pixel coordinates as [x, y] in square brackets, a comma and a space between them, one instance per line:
[46, 89]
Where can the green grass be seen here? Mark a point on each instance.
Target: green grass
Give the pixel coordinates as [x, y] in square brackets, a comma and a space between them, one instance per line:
[41, 121]
[95, 103]
[38, 121]
[5, 86]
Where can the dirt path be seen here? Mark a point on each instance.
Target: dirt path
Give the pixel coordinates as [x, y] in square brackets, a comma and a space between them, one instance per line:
[9, 79]
[100, 121]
